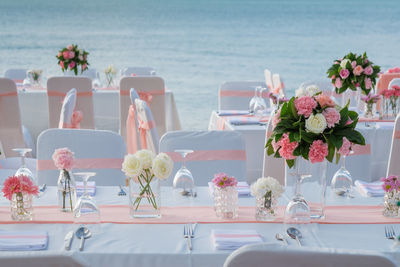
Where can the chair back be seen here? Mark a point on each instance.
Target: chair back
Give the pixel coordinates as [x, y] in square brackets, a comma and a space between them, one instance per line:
[262, 255]
[95, 151]
[137, 71]
[214, 152]
[147, 129]
[236, 95]
[57, 88]
[17, 75]
[394, 156]
[268, 79]
[132, 135]
[10, 118]
[279, 86]
[149, 89]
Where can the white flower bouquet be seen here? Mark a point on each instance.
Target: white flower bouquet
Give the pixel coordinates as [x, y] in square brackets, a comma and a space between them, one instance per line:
[266, 190]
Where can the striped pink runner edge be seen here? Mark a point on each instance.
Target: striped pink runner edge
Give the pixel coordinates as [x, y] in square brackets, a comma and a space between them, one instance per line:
[119, 214]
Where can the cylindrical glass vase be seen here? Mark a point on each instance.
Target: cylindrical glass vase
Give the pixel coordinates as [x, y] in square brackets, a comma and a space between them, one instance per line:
[66, 191]
[266, 207]
[226, 202]
[21, 207]
[390, 208]
[144, 197]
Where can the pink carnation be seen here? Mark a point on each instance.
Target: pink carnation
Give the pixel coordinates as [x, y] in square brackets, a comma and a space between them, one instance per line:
[318, 151]
[345, 148]
[66, 54]
[305, 105]
[27, 186]
[71, 54]
[368, 70]
[62, 64]
[84, 66]
[63, 159]
[338, 83]
[222, 180]
[325, 101]
[358, 70]
[344, 73]
[287, 147]
[19, 184]
[368, 83]
[276, 119]
[332, 116]
[353, 64]
[71, 65]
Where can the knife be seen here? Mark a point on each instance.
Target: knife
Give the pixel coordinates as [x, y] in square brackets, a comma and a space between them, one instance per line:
[68, 240]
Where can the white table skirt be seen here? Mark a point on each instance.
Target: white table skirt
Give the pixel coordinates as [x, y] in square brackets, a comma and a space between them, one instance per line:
[163, 244]
[35, 115]
[364, 167]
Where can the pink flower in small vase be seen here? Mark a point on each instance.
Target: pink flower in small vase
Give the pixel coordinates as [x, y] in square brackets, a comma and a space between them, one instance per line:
[368, 70]
[332, 117]
[71, 54]
[71, 65]
[318, 151]
[287, 147]
[344, 73]
[305, 105]
[66, 54]
[27, 186]
[11, 185]
[338, 83]
[358, 70]
[345, 148]
[63, 159]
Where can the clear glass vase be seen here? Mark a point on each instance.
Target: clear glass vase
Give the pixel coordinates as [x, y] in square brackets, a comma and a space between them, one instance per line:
[390, 208]
[369, 110]
[390, 107]
[266, 207]
[144, 197]
[21, 207]
[226, 202]
[66, 191]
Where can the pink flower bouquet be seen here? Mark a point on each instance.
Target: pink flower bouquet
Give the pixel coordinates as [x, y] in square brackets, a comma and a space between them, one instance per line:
[222, 180]
[63, 159]
[72, 58]
[19, 185]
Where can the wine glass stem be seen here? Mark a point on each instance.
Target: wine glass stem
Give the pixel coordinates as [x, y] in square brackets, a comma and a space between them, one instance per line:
[85, 180]
[184, 161]
[298, 185]
[23, 159]
[344, 162]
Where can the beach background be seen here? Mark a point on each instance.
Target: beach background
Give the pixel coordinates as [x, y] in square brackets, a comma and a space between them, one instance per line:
[197, 45]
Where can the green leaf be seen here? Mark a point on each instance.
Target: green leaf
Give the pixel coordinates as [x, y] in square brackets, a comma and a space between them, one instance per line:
[290, 162]
[270, 150]
[337, 158]
[331, 152]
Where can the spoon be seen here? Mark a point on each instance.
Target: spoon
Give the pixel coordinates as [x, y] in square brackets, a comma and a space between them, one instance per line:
[83, 233]
[280, 237]
[295, 234]
[344, 193]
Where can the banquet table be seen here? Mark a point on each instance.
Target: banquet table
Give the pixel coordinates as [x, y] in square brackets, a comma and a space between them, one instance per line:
[35, 116]
[369, 165]
[162, 243]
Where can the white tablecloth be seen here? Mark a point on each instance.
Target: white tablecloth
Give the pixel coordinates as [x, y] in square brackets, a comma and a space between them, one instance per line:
[163, 244]
[364, 167]
[35, 116]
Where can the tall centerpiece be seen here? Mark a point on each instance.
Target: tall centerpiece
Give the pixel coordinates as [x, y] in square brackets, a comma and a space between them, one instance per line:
[73, 59]
[390, 102]
[355, 71]
[110, 73]
[63, 159]
[310, 128]
[142, 169]
[35, 75]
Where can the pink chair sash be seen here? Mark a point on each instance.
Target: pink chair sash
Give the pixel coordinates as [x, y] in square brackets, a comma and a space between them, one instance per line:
[8, 94]
[143, 128]
[146, 96]
[209, 155]
[99, 163]
[131, 131]
[396, 135]
[62, 94]
[361, 150]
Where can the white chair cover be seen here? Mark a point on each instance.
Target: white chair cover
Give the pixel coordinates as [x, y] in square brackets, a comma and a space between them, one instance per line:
[67, 109]
[137, 71]
[132, 134]
[237, 94]
[150, 89]
[268, 79]
[98, 151]
[17, 75]
[147, 128]
[214, 152]
[57, 88]
[274, 167]
[10, 119]
[395, 81]
[279, 86]
[262, 255]
[40, 260]
[394, 156]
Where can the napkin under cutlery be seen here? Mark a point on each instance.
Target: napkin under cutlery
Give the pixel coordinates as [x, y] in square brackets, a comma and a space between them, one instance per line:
[373, 189]
[231, 239]
[231, 112]
[91, 188]
[243, 188]
[23, 240]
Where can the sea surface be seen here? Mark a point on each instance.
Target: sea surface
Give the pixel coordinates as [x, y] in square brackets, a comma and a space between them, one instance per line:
[197, 45]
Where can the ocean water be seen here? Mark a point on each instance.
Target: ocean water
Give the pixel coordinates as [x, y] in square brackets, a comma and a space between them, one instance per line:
[197, 45]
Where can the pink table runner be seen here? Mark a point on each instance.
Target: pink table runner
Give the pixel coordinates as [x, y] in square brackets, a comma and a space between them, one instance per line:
[119, 214]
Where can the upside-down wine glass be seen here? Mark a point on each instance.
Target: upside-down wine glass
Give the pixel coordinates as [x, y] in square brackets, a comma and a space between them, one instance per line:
[183, 180]
[254, 99]
[342, 182]
[260, 107]
[24, 170]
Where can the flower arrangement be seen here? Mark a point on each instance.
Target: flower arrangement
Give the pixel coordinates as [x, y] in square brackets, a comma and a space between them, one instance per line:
[63, 159]
[19, 185]
[312, 127]
[391, 97]
[266, 190]
[110, 73]
[142, 167]
[222, 180]
[391, 186]
[71, 58]
[225, 196]
[353, 71]
[35, 74]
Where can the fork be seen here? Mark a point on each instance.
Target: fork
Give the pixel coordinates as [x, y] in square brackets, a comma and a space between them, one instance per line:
[389, 232]
[121, 192]
[188, 234]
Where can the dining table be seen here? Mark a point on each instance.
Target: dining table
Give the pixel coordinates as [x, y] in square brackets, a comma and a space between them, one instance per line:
[355, 224]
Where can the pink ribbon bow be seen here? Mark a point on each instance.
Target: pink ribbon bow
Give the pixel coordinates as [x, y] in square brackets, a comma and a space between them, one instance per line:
[76, 119]
[143, 128]
[131, 131]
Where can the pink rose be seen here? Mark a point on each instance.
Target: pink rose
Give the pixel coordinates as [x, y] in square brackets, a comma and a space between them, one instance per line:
[338, 83]
[66, 54]
[70, 47]
[84, 66]
[332, 117]
[368, 70]
[358, 70]
[345, 148]
[366, 61]
[59, 54]
[325, 101]
[353, 64]
[318, 151]
[368, 83]
[344, 73]
[287, 147]
[71, 65]
[305, 105]
[71, 54]
[62, 64]
[63, 159]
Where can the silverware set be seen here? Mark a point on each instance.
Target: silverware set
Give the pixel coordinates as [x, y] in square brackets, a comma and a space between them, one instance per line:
[390, 232]
[293, 233]
[81, 233]
[188, 233]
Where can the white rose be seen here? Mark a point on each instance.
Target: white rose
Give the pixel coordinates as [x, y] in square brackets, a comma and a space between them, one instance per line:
[316, 123]
[344, 63]
[162, 166]
[300, 92]
[131, 166]
[312, 90]
[146, 157]
[265, 184]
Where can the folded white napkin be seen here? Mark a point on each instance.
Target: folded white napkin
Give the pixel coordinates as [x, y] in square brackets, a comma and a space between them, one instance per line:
[23, 240]
[243, 188]
[91, 187]
[230, 112]
[373, 189]
[233, 239]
